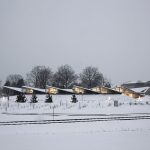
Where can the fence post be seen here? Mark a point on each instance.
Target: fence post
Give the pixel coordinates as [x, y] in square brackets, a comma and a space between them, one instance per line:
[53, 112]
[115, 103]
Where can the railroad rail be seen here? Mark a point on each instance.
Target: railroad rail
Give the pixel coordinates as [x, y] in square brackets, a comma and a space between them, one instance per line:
[98, 119]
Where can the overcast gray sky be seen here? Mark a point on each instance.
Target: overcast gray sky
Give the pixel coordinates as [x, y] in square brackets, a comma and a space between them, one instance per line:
[113, 35]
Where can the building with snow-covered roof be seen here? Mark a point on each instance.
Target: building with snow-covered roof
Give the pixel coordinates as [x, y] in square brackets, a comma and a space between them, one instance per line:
[129, 92]
[137, 84]
[55, 90]
[24, 89]
[140, 90]
[105, 90]
[147, 91]
[12, 90]
[31, 90]
[82, 90]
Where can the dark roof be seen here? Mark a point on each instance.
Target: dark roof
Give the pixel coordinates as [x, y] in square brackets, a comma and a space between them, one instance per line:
[136, 84]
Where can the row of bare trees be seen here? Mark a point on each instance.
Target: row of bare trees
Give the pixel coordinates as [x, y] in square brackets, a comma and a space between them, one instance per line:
[39, 76]
[15, 80]
[64, 77]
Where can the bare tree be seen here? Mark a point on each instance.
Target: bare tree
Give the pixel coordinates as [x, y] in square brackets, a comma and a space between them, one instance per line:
[15, 80]
[106, 82]
[65, 77]
[39, 76]
[91, 77]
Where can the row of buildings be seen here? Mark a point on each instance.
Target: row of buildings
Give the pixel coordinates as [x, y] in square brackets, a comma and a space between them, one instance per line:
[131, 92]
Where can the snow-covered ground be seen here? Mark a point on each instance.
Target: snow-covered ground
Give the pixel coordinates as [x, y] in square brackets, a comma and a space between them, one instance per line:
[116, 135]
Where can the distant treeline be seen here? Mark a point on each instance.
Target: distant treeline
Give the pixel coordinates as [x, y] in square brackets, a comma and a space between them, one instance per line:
[64, 77]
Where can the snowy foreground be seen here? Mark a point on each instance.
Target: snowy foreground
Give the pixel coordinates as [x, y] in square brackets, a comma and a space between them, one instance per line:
[106, 135]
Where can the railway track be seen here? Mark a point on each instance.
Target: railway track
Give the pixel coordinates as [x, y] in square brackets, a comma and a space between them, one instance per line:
[98, 119]
[74, 114]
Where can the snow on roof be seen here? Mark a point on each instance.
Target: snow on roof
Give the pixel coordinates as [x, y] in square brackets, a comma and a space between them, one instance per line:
[142, 89]
[13, 88]
[66, 90]
[133, 82]
[37, 89]
[129, 82]
[86, 89]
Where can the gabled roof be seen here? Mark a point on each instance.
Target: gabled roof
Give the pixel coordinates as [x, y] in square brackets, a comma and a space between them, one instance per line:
[35, 89]
[86, 90]
[147, 92]
[128, 89]
[110, 91]
[62, 91]
[68, 90]
[140, 90]
[137, 84]
[130, 92]
[13, 88]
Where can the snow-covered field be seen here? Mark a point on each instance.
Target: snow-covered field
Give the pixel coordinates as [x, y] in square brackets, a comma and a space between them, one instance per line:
[116, 135]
